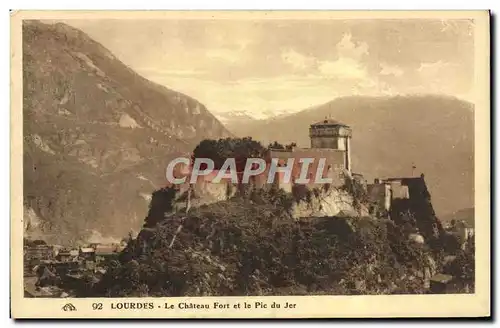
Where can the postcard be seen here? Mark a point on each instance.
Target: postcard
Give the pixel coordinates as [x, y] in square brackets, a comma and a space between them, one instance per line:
[250, 164]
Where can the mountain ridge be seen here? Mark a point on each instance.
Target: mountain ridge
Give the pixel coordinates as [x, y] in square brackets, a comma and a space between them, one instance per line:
[97, 136]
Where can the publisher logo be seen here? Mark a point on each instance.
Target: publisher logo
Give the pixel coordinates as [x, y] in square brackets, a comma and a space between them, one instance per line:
[69, 307]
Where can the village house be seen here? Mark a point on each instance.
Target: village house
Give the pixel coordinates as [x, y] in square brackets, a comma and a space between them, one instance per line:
[38, 252]
[104, 253]
[442, 284]
[66, 255]
[87, 253]
[463, 230]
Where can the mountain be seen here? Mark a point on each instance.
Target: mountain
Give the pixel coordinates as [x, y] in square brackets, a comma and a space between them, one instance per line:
[234, 117]
[237, 117]
[390, 135]
[97, 136]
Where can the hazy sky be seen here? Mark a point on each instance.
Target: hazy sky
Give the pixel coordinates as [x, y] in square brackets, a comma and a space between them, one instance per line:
[260, 66]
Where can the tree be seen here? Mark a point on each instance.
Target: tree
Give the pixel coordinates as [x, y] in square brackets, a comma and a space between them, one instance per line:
[451, 243]
[161, 203]
[238, 148]
[463, 267]
[356, 190]
[275, 145]
[291, 146]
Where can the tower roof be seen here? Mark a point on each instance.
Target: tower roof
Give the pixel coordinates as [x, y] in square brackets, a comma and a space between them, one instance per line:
[328, 121]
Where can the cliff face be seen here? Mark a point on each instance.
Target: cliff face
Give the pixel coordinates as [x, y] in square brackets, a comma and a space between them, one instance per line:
[203, 194]
[333, 202]
[97, 136]
[417, 210]
[313, 202]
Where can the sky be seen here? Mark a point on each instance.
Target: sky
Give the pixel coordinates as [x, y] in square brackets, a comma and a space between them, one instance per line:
[267, 67]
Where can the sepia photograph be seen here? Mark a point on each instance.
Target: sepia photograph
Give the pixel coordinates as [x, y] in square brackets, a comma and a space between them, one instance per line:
[185, 157]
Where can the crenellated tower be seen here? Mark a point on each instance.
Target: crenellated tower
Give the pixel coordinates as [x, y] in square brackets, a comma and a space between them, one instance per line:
[332, 134]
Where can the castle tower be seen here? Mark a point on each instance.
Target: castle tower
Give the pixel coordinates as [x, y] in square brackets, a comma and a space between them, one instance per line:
[332, 134]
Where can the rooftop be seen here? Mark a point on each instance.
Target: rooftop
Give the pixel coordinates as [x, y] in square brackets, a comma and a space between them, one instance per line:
[328, 122]
[465, 223]
[442, 278]
[105, 249]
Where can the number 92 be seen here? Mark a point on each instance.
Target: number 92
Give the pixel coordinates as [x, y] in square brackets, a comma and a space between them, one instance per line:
[96, 306]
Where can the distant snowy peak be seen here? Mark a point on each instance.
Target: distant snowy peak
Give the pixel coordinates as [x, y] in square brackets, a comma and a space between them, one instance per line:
[225, 117]
[244, 115]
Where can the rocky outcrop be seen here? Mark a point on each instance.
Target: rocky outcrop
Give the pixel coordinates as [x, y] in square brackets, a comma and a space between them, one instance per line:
[203, 194]
[322, 203]
[30, 220]
[313, 202]
[128, 122]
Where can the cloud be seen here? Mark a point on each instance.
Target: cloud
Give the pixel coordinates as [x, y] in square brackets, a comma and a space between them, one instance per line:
[434, 68]
[348, 64]
[258, 96]
[271, 64]
[297, 60]
[226, 55]
[268, 67]
[387, 69]
[457, 26]
[342, 68]
[242, 43]
[441, 77]
[346, 48]
[307, 80]
[290, 92]
[440, 73]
